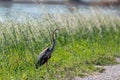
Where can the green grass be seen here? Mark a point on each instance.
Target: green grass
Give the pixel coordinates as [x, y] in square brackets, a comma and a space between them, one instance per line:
[83, 43]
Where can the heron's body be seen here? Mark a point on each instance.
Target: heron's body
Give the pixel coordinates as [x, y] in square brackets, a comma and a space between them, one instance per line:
[45, 55]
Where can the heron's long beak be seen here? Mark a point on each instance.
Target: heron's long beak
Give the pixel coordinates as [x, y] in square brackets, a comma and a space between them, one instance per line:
[62, 28]
[58, 29]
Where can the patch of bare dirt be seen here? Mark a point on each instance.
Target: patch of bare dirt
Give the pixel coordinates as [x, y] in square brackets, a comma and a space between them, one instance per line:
[112, 72]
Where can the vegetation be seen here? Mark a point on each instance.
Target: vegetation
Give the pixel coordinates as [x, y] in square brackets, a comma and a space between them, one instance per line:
[84, 43]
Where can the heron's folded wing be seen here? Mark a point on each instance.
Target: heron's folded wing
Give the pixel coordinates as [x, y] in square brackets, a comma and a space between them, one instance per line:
[44, 53]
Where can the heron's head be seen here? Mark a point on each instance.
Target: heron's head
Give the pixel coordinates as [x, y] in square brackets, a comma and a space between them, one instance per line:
[58, 29]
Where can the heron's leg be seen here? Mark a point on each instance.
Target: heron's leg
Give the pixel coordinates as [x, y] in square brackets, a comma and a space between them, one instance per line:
[47, 66]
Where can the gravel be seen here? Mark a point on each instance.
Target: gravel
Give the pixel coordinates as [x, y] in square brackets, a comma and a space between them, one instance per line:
[111, 72]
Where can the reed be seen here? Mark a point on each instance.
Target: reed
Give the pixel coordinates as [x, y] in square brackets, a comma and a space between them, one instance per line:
[83, 43]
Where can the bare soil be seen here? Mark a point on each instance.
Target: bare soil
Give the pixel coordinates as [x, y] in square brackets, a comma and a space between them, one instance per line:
[112, 72]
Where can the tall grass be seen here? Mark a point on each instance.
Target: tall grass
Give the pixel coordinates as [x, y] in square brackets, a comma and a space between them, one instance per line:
[83, 43]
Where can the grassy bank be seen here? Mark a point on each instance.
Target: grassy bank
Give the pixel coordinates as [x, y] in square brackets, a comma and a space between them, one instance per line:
[83, 43]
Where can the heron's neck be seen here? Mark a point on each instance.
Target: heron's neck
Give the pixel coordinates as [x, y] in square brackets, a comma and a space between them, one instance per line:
[53, 44]
[53, 40]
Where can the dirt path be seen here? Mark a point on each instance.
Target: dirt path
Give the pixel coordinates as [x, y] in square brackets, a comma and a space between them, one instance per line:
[110, 73]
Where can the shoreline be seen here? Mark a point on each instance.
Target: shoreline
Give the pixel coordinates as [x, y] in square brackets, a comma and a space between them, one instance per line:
[102, 3]
[33, 2]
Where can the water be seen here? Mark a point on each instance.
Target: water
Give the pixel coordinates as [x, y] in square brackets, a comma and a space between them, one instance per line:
[16, 11]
